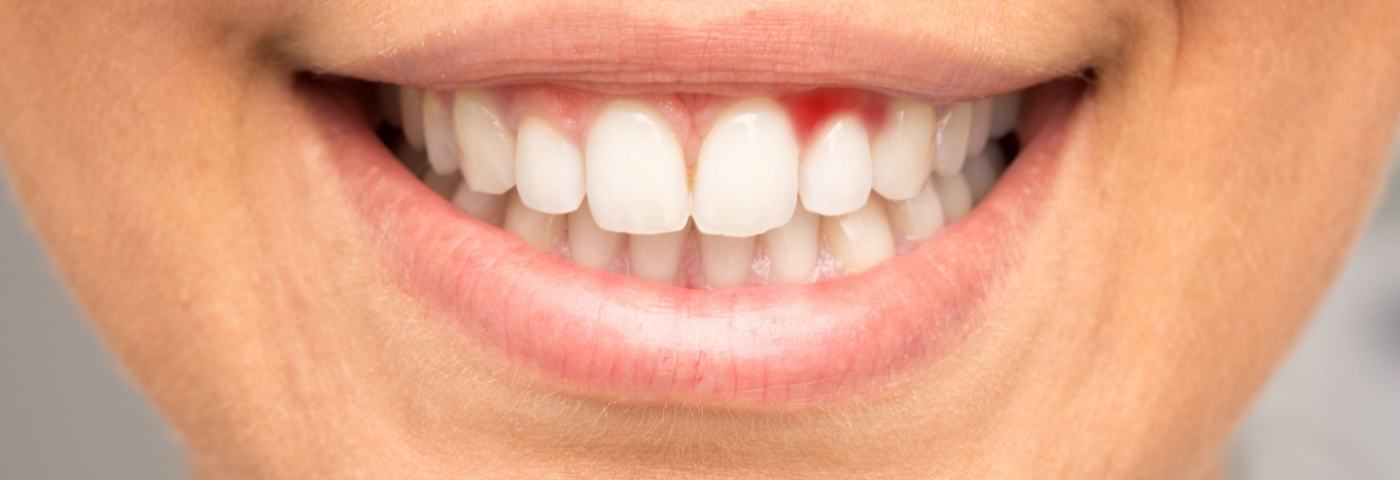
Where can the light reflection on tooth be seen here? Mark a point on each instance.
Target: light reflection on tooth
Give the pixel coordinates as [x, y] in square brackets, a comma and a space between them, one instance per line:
[411, 110]
[983, 170]
[792, 248]
[438, 134]
[981, 127]
[635, 171]
[656, 257]
[1005, 110]
[746, 173]
[953, 136]
[590, 245]
[955, 195]
[486, 207]
[902, 153]
[488, 148]
[548, 168]
[726, 260]
[539, 230]
[836, 176]
[918, 218]
[860, 239]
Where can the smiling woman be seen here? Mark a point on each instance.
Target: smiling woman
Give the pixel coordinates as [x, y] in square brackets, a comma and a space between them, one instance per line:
[648, 239]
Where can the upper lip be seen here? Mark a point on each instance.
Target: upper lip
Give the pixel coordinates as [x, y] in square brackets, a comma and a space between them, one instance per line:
[616, 48]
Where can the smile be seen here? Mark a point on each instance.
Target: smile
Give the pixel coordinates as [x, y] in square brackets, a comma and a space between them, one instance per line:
[746, 242]
[704, 191]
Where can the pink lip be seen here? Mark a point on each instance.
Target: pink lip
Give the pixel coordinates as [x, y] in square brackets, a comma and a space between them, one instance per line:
[599, 334]
[615, 48]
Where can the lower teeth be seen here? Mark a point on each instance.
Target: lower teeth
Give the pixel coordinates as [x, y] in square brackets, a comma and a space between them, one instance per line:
[744, 219]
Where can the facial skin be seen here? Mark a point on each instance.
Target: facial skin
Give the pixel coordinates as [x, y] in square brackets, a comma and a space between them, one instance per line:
[176, 174]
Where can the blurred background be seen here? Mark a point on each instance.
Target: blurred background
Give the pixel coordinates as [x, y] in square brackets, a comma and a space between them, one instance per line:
[68, 411]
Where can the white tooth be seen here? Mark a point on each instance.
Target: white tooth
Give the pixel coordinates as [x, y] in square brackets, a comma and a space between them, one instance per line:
[726, 260]
[861, 239]
[488, 148]
[539, 230]
[981, 127]
[953, 138]
[635, 171]
[589, 245]
[792, 248]
[443, 155]
[1005, 109]
[656, 257]
[903, 150]
[746, 175]
[955, 195]
[443, 185]
[915, 219]
[411, 110]
[548, 168]
[983, 170]
[487, 207]
[836, 176]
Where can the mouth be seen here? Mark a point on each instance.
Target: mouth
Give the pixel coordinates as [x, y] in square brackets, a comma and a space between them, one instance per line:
[731, 236]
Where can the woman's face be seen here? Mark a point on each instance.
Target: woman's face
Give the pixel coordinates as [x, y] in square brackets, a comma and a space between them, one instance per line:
[706, 285]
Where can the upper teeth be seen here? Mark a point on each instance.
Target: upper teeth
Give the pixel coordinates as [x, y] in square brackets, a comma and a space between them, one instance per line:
[903, 150]
[635, 171]
[626, 166]
[953, 137]
[746, 176]
[548, 168]
[836, 175]
[488, 148]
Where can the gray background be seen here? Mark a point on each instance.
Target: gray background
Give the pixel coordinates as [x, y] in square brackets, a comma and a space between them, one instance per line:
[67, 411]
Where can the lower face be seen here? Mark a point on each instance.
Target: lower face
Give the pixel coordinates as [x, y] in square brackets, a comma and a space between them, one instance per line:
[699, 239]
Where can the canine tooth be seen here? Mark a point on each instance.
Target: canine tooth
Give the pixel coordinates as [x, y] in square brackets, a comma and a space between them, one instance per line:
[538, 229]
[835, 177]
[1005, 110]
[981, 127]
[955, 195]
[792, 248]
[486, 207]
[746, 174]
[983, 170]
[548, 168]
[902, 152]
[861, 239]
[443, 155]
[488, 148]
[411, 110]
[726, 260]
[590, 245]
[443, 185]
[656, 257]
[953, 136]
[635, 171]
[918, 218]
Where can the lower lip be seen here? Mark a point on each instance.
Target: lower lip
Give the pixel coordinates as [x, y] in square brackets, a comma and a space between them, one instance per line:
[597, 334]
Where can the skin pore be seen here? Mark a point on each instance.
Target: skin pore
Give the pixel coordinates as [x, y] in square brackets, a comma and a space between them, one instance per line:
[175, 170]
